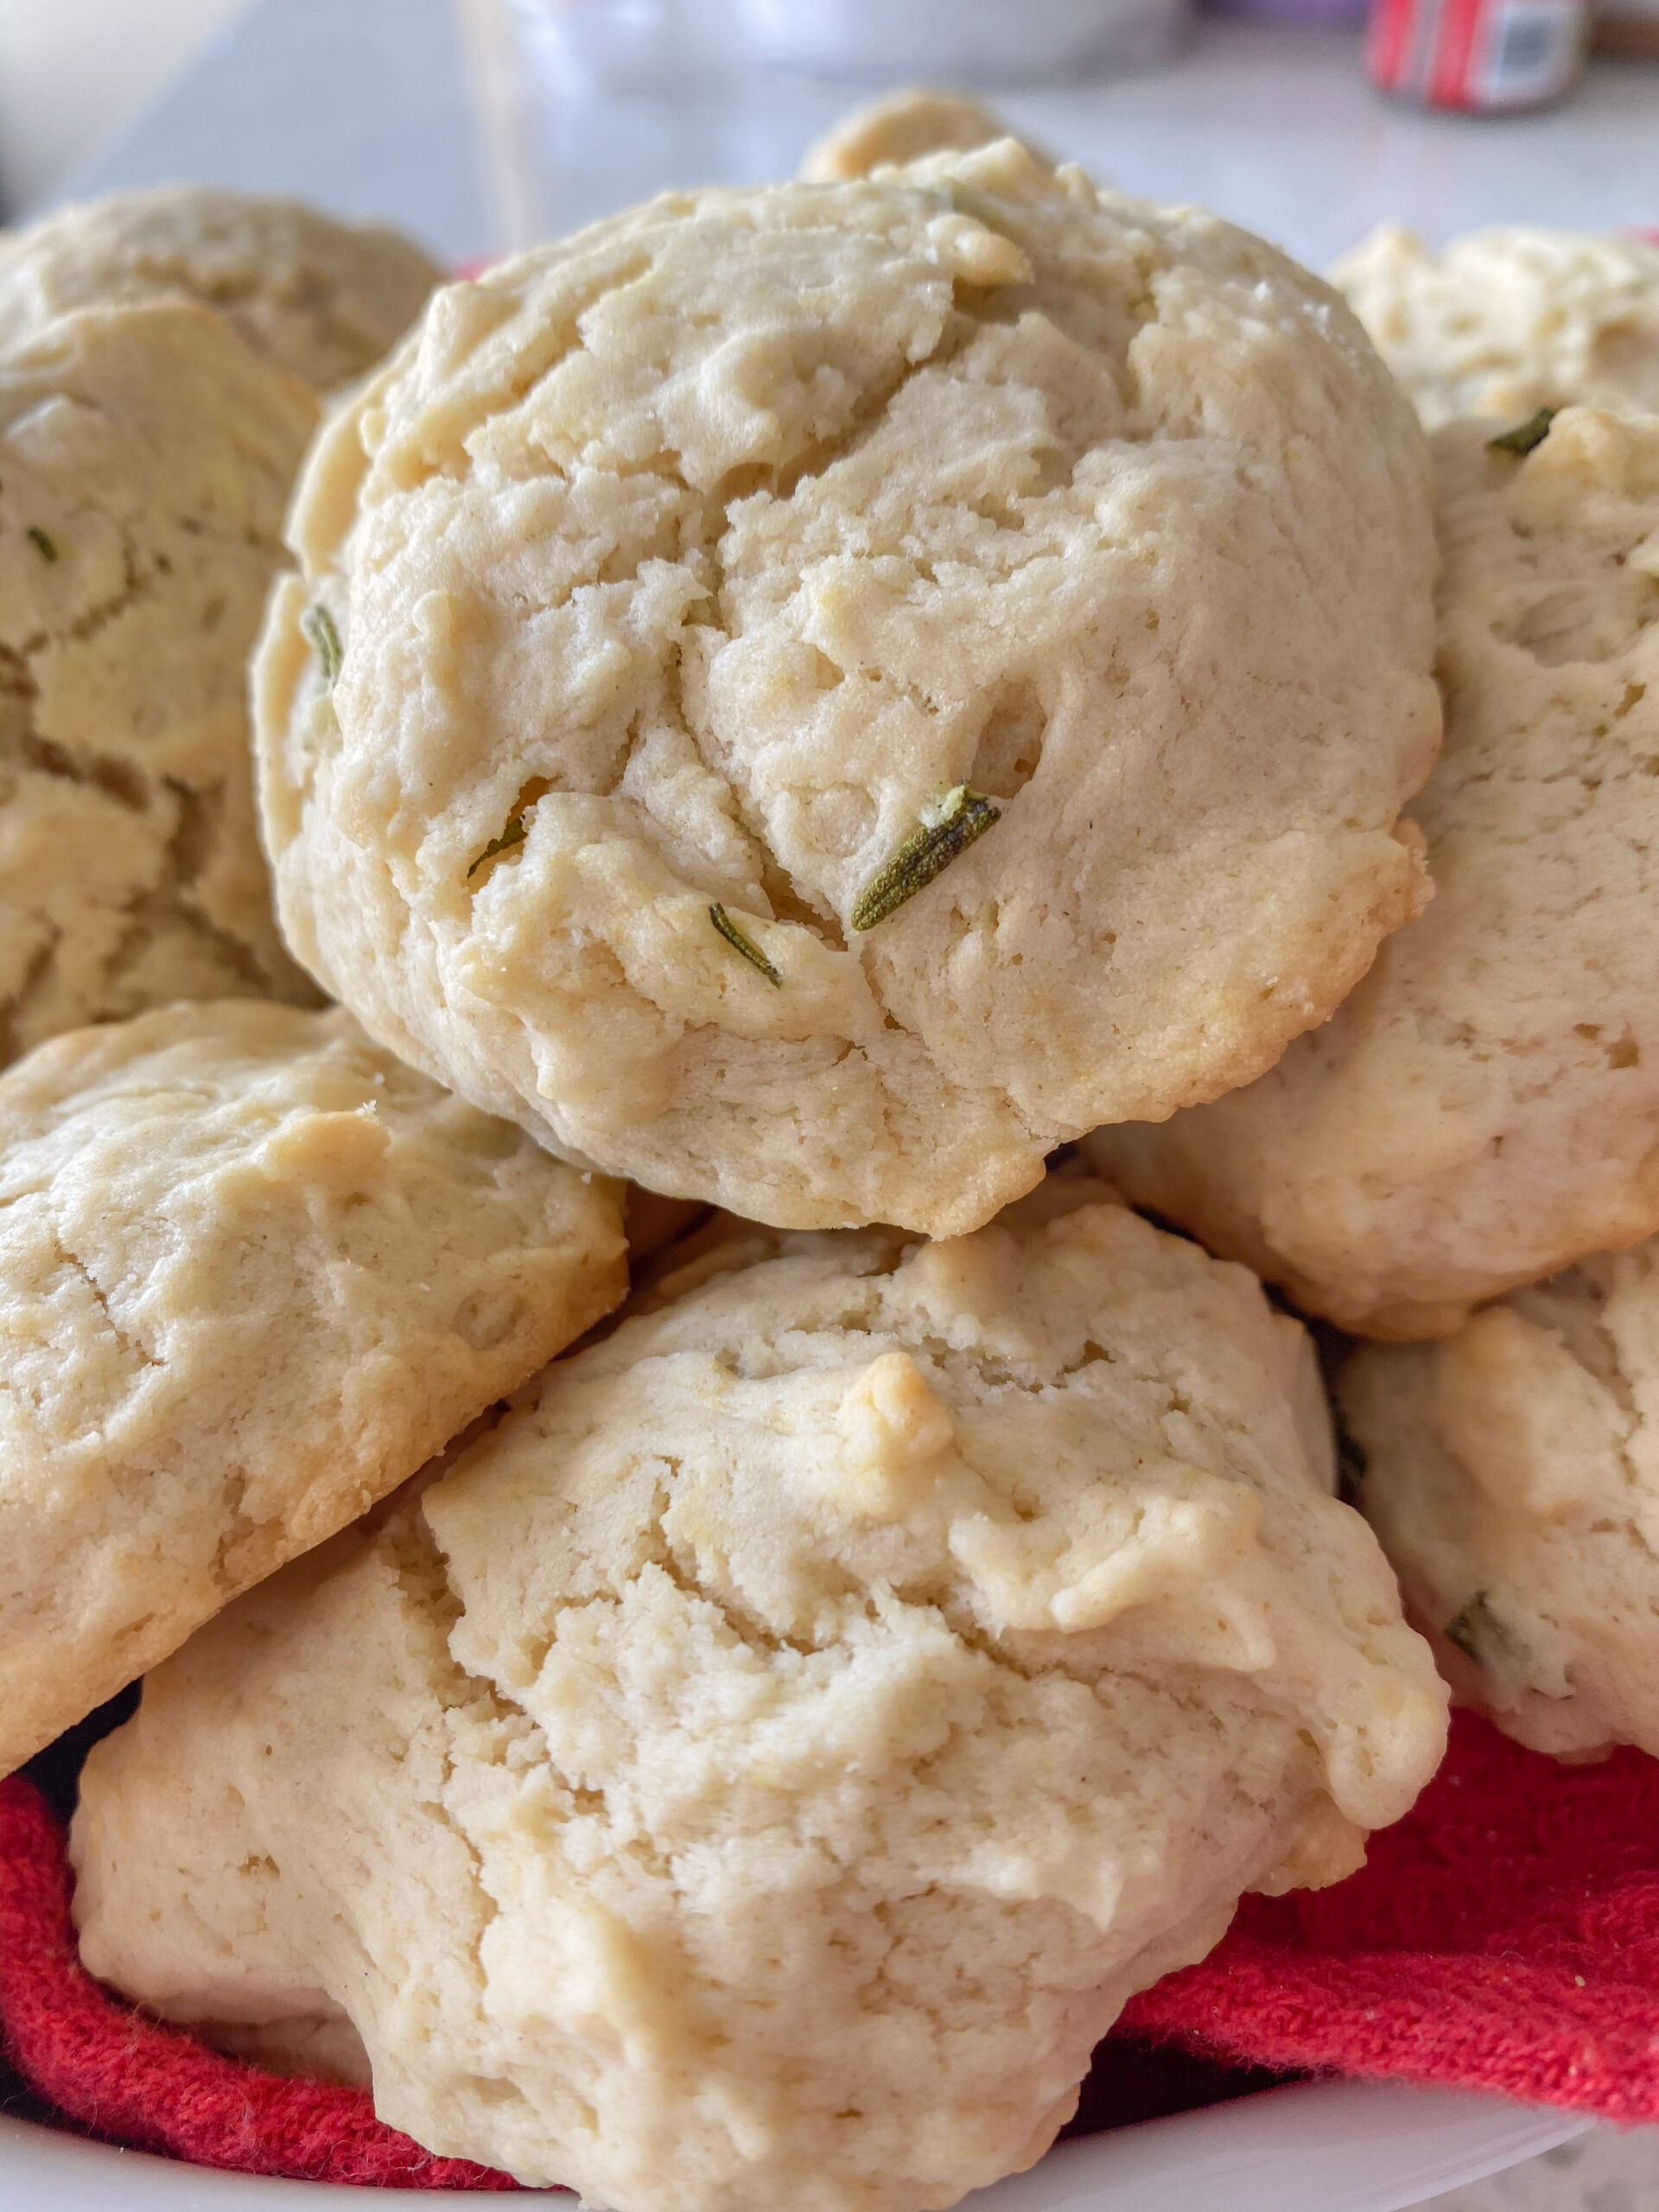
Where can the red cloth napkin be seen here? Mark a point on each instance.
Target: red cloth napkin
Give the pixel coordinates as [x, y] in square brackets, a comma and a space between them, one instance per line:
[1504, 1937]
[136, 2081]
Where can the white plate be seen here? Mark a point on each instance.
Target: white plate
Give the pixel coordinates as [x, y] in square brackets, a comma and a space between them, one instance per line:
[1324, 2146]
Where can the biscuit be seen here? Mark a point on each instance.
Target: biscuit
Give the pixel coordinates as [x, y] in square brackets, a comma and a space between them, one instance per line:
[146, 455]
[778, 1749]
[1484, 1109]
[253, 1272]
[321, 298]
[901, 127]
[1512, 1474]
[692, 574]
[1506, 321]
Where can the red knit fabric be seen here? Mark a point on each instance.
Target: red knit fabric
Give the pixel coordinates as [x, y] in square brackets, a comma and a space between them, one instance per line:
[157, 2087]
[1504, 1937]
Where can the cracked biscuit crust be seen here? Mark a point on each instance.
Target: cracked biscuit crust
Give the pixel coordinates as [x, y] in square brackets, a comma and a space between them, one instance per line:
[778, 1749]
[689, 563]
[1484, 1108]
[146, 455]
[1513, 1476]
[1507, 321]
[323, 299]
[253, 1271]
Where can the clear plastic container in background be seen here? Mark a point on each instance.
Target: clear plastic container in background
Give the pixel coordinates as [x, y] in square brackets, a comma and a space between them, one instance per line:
[592, 104]
[979, 42]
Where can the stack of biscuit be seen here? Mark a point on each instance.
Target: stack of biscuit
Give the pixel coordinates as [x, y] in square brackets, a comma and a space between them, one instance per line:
[829, 740]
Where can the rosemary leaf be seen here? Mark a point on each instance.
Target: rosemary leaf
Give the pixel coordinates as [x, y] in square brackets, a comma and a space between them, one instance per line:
[1480, 1633]
[514, 834]
[747, 945]
[43, 545]
[515, 830]
[961, 816]
[1525, 436]
[317, 627]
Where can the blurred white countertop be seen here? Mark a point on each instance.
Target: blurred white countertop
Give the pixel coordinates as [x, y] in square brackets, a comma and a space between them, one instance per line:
[1603, 2172]
[367, 107]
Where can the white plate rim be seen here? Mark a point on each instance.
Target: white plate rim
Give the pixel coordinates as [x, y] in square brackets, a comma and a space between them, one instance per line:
[1318, 2146]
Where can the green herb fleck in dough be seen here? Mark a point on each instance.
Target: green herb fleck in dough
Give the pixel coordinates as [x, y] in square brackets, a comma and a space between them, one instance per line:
[515, 830]
[747, 945]
[1487, 1639]
[1525, 436]
[960, 818]
[317, 627]
[43, 545]
[164, 565]
[514, 834]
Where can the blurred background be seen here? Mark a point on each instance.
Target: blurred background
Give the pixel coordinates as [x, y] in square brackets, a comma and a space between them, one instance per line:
[73, 73]
[482, 124]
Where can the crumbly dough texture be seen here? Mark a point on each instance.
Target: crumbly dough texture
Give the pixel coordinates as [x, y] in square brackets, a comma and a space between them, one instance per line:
[1506, 321]
[901, 127]
[1513, 1475]
[699, 555]
[146, 455]
[778, 1749]
[321, 298]
[1485, 1109]
[253, 1272]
